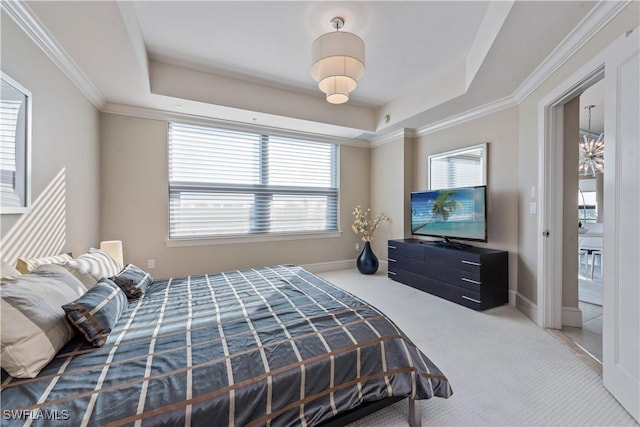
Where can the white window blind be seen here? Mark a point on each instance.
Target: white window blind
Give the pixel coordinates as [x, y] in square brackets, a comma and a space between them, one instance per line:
[231, 183]
[10, 132]
[458, 171]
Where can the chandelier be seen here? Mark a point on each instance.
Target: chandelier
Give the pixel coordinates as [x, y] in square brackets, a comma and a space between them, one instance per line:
[591, 151]
[338, 62]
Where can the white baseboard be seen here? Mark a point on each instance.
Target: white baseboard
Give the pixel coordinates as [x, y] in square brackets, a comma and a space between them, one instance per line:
[321, 267]
[528, 307]
[344, 264]
[572, 316]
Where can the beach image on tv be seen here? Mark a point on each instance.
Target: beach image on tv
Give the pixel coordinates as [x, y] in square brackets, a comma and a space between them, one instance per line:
[452, 212]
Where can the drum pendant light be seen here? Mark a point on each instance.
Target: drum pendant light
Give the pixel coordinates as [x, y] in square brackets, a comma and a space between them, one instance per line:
[338, 62]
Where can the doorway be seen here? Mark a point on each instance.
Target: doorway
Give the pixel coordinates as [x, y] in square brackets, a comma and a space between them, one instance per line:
[621, 319]
[583, 183]
[553, 221]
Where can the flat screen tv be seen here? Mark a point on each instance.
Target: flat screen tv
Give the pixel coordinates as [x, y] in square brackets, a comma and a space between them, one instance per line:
[452, 213]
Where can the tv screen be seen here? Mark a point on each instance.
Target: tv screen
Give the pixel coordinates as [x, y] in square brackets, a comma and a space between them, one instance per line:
[453, 213]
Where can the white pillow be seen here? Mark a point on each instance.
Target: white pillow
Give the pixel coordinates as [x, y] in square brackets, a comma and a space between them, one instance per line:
[7, 270]
[92, 266]
[34, 325]
[27, 265]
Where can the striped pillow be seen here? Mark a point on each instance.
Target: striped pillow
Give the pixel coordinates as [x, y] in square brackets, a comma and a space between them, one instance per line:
[93, 266]
[133, 281]
[27, 265]
[95, 313]
[34, 327]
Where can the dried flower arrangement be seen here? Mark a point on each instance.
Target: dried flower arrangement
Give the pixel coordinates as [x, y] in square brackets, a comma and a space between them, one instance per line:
[362, 224]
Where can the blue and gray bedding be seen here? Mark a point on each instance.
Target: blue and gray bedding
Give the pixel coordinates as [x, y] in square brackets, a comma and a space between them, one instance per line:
[267, 346]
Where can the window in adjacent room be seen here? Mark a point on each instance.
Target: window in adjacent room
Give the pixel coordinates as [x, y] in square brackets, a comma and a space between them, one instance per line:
[587, 201]
[225, 183]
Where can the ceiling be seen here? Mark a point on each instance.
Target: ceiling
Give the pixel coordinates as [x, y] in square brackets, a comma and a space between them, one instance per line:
[249, 61]
[594, 95]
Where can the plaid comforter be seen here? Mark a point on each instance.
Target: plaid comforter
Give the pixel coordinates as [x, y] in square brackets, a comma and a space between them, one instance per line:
[268, 346]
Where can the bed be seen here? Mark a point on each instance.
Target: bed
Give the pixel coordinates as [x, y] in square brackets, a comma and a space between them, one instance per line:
[267, 346]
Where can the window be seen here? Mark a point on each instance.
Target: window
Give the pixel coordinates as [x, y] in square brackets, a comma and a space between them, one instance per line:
[234, 183]
[587, 201]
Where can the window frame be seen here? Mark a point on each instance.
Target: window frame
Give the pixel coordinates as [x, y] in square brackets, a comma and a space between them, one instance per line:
[258, 235]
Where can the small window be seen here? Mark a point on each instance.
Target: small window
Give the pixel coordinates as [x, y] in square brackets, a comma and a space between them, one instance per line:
[587, 201]
[226, 183]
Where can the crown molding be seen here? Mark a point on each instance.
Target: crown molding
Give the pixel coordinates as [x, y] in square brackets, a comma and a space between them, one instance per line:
[466, 116]
[392, 136]
[164, 115]
[30, 25]
[594, 21]
[591, 24]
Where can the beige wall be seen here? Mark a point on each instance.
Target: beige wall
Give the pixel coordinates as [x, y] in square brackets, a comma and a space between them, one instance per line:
[571, 117]
[65, 211]
[391, 168]
[500, 130]
[135, 207]
[528, 139]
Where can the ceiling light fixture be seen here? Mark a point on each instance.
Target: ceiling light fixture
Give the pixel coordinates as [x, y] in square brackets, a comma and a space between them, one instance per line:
[591, 151]
[338, 62]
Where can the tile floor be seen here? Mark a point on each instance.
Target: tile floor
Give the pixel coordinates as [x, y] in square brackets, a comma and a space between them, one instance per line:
[589, 337]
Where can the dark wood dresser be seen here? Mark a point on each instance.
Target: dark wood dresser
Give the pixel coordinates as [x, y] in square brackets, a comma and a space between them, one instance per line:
[477, 278]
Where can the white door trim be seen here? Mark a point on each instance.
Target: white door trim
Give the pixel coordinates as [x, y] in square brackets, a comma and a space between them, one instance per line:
[550, 164]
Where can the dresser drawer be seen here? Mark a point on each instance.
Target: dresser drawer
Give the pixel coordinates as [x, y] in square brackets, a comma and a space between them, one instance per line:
[402, 262]
[436, 270]
[467, 279]
[454, 258]
[397, 249]
[441, 289]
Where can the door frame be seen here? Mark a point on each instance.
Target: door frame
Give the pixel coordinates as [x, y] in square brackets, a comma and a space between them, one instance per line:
[550, 185]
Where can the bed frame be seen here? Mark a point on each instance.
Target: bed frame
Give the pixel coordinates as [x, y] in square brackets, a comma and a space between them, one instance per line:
[414, 416]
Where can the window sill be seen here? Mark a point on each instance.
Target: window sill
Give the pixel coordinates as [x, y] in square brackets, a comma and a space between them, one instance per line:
[211, 241]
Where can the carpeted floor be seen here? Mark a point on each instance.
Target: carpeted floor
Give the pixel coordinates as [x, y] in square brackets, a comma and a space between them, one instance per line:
[504, 369]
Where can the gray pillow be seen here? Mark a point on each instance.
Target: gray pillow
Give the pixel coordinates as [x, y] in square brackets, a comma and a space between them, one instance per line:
[133, 281]
[34, 327]
[58, 272]
[95, 313]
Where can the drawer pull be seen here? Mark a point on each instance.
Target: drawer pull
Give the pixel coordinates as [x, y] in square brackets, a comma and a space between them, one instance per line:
[475, 282]
[393, 273]
[471, 299]
[391, 247]
[470, 262]
[392, 260]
